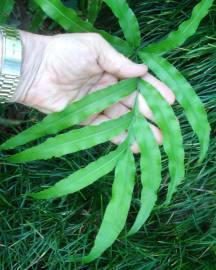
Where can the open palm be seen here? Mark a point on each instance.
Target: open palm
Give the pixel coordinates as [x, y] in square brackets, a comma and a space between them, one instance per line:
[74, 65]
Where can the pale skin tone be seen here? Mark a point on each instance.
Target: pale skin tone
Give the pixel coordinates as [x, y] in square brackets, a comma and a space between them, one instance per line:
[58, 70]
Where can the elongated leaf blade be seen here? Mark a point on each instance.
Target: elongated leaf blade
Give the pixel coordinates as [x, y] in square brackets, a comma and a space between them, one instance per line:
[74, 113]
[6, 7]
[94, 7]
[37, 21]
[185, 30]
[83, 177]
[117, 210]
[172, 138]
[185, 95]
[69, 20]
[127, 21]
[150, 164]
[74, 141]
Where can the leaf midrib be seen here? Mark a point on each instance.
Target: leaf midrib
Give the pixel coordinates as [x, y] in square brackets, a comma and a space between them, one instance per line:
[54, 121]
[167, 127]
[77, 140]
[68, 18]
[89, 173]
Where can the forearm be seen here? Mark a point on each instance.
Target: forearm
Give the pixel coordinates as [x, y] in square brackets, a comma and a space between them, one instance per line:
[33, 48]
[25, 57]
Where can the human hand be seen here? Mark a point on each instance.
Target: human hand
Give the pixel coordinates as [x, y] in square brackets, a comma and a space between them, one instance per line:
[60, 69]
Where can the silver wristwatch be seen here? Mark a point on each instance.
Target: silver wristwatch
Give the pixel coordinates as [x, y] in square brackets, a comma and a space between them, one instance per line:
[10, 67]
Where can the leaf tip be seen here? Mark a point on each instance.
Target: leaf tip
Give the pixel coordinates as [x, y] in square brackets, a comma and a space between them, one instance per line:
[33, 195]
[2, 147]
[74, 259]
[13, 159]
[201, 158]
[84, 260]
[131, 232]
[37, 196]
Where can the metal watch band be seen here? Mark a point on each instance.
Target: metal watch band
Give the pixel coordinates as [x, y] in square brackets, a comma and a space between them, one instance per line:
[11, 62]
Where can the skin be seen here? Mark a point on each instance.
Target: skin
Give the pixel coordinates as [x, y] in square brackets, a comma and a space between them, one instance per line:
[59, 69]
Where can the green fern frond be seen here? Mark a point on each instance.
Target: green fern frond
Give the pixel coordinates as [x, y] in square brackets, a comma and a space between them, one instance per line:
[121, 159]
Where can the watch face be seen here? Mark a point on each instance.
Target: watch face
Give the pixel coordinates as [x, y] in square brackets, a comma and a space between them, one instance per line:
[12, 53]
[11, 47]
[1, 44]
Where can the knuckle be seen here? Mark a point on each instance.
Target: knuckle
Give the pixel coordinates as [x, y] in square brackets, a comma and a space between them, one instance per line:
[172, 100]
[96, 36]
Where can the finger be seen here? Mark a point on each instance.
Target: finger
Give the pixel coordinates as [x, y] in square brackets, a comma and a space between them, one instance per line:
[89, 120]
[99, 120]
[103, 118]
[105, 81]
[115, 140]
[117, 64]
[134, 147]
[121, 137]
[143, 106]
[165, 91]
[157, 134]
[116, 110]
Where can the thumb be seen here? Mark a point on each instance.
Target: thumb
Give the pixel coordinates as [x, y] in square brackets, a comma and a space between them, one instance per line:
[115, 63]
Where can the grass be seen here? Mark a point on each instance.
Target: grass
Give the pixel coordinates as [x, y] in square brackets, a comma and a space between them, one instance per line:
[41, 234]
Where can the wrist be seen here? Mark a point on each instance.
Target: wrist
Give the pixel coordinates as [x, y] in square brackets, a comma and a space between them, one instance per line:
[1, 51]
[33, 50]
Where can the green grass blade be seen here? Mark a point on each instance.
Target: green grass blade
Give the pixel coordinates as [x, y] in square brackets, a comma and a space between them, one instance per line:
[94, 7]
[69, 20]
[150, 164]
[37, 21]
[185, 95]
[172, 138]
[74, 113]
[127, 21]
[185, 30]
[74, 141]
[117, 210]
[83, 177]
[6, 7]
